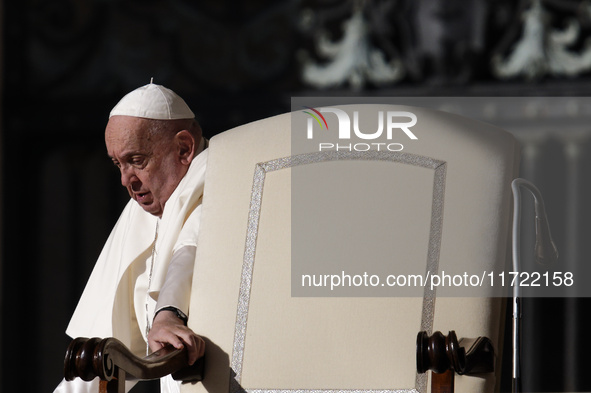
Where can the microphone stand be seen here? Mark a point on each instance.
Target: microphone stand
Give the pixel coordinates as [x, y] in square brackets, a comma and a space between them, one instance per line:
[545, 252]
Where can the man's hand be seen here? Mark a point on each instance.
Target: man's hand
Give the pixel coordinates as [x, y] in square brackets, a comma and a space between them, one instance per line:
[169, 329]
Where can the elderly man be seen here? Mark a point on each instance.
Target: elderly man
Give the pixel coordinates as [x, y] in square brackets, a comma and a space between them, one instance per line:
[139, 289]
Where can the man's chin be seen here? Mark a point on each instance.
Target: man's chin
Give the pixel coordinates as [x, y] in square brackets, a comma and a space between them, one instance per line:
[152, 208]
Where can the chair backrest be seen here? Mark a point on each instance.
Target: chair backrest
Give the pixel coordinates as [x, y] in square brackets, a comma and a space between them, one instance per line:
[441, 205]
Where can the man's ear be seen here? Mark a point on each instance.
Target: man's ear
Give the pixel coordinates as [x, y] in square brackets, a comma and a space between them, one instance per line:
[186, 146]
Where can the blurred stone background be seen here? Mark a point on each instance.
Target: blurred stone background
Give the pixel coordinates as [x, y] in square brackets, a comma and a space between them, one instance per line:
[65, 63]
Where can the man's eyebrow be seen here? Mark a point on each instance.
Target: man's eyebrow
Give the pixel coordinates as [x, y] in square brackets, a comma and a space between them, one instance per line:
[114, 161]
[128, 154]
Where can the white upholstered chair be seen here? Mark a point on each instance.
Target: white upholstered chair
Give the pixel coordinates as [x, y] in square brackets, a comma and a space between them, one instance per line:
[446, 203]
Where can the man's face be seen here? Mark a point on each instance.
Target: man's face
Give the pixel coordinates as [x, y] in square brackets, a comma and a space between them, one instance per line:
[150, 163]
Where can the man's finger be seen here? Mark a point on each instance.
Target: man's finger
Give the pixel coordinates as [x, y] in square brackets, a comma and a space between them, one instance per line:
[166, 337]
[197, 350]
[154, 345]
[191, 349]
[201, 343]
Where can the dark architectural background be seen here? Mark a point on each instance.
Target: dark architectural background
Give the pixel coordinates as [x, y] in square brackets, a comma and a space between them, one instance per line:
[65, 63]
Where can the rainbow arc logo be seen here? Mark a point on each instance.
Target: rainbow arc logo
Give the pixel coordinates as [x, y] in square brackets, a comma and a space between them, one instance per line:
[316, 117]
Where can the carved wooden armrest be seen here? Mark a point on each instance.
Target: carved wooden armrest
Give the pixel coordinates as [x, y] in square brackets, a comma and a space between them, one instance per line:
[446, 355]
[111, 361]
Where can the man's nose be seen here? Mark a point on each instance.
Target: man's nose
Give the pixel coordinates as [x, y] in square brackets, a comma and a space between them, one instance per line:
[127, 176]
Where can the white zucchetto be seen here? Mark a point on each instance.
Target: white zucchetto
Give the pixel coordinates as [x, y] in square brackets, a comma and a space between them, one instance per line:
[153, 102]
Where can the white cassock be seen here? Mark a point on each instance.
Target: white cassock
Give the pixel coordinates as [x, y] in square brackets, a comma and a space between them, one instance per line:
[145, 265]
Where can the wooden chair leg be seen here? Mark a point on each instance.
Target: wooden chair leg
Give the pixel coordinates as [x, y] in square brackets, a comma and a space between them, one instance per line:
[115, 385]
[442, 382]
